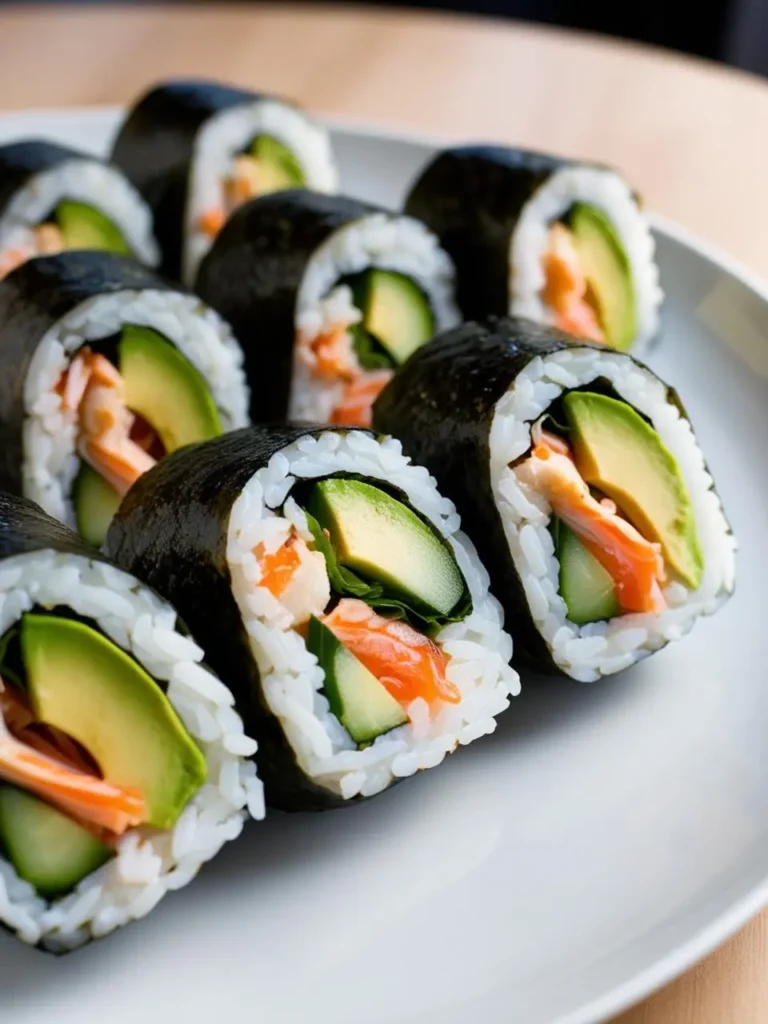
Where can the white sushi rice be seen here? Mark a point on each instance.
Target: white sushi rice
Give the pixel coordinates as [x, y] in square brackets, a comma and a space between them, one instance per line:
[607, 191]
[382, 240]
[478, 649]
[226, 135]
[600, 648]
[149, 863]
[84, 181]
[50, 462]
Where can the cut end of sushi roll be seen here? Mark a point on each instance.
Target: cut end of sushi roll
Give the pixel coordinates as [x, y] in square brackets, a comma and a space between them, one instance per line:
[373, 293]
[335, 586]
[131, 371]
[54, 199]
[611, 516]
[560, 242]
[251, 149]
[378, 645]
[579, 474]
[123, 764]
[348, 293]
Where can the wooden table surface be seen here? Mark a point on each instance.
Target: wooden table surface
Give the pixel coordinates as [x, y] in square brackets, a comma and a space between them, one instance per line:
[691, 136]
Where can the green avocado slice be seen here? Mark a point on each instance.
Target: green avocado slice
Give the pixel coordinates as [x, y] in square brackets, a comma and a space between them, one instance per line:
[82, 683]
[278, 165]
[380, 538]
[608, 273]
[163, 387]
[623, 457]
[85, 227]
[48, 849]
[396, 312]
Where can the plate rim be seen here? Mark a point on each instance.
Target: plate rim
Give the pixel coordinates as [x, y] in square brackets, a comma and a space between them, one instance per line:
[708, 938]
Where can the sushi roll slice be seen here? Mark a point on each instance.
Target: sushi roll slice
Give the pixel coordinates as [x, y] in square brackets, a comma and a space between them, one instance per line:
[577, 473]
[559, 242]
[123, 764]
[327, 296]
[328, 582]
[105, 368]
[54, 198]
[196, 150]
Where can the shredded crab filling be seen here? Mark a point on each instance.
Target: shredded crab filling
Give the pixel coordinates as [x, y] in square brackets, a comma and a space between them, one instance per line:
[567, 291]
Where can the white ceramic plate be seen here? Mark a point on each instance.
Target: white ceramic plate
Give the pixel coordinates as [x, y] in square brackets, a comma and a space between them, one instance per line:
[603, 839]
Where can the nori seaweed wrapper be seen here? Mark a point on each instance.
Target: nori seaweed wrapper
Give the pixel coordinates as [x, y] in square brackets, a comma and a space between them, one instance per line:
[472, 197]
[155, 146]
[22, 161]
[252, 274]
[441, 405]
[33, 298]
[171, 533]
[25, 529]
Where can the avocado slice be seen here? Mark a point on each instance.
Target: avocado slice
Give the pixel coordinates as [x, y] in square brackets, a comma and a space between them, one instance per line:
[622, 456]
[48, 849]
[166, 389]
[278, 166]
[82, 683]
[608, 273]
[585, 586]
[361, 703]
[85, 227]
[396, 312]
[382, 539]
[95, 504]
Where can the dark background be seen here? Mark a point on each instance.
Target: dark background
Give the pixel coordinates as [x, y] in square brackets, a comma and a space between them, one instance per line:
[733, 32]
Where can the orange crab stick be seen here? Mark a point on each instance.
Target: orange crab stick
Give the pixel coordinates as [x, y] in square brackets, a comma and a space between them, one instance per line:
[279, 567]
[405, 661]
[565, 290]
[83, 796]
[93, 388]
[635, 564]
[356, 406]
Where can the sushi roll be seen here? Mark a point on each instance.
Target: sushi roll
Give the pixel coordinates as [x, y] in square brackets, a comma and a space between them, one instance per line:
[54, 198]
[577, 473]
[123, 764]
[105, 368]
[328, 582]
[327, 296]
[559, 242]
[196, 150]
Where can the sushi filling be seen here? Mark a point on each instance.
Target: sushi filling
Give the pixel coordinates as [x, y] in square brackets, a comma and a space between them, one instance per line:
[54, 671]
[588, 288]
[123, 765]
[121, 408]
[613, 524]
[107, 410]
[372, 295]
[267, 165]
[248, 151]
[582, 258]
[371, 323]
[71, 225]
[378, 646]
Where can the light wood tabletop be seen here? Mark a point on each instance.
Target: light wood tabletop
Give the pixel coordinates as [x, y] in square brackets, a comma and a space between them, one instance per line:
[690, 135]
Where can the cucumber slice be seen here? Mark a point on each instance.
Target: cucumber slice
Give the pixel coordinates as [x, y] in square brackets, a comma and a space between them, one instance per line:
[585, 586]
[95, 504]
[382, 539]
[48, 849]
[361, 703]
